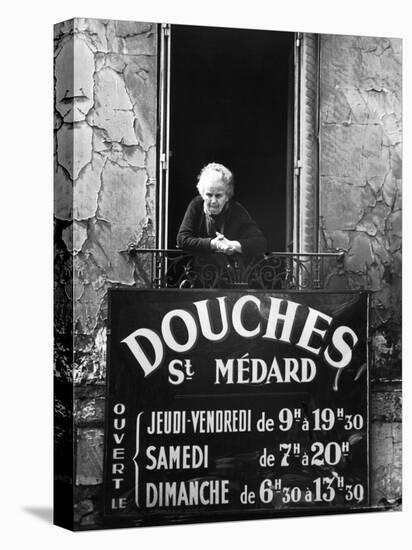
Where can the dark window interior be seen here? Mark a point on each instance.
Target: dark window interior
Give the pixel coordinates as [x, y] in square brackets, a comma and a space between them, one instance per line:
[230, 94]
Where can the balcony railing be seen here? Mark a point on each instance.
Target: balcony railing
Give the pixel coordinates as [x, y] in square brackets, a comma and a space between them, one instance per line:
[274, 270]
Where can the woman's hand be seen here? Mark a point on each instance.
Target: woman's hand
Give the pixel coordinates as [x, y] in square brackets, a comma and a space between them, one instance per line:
[216, 243]
[223, 245]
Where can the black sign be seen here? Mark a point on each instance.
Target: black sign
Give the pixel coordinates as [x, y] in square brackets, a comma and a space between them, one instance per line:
[230, 404]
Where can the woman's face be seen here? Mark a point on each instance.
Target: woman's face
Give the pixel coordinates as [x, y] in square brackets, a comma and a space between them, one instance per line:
[214, 192]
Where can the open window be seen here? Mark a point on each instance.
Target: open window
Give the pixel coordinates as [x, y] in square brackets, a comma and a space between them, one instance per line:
[247, 99]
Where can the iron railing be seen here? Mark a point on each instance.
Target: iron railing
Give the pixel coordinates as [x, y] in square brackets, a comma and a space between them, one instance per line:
[273, 270]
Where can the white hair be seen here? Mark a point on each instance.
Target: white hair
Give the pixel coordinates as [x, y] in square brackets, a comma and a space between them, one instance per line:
[225, 174]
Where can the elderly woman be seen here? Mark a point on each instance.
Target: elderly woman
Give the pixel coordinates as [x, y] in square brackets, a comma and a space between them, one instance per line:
[214, 222]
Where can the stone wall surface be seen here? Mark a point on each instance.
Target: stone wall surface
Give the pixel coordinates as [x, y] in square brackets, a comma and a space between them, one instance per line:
[105, 132]
[360, 178]
[360, 142]
[105, 89]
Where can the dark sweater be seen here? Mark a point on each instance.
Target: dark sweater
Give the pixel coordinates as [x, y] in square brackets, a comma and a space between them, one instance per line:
[236, 225]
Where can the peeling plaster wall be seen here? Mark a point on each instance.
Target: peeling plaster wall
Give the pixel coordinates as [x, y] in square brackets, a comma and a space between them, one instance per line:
[105, 108]
[360, 212]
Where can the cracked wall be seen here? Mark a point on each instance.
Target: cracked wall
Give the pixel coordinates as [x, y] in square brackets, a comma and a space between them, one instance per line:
[105, 127]
[360, 169]
[105, 87]
[360, 212]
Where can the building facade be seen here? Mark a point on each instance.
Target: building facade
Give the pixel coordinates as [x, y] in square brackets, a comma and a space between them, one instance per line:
[114, 180]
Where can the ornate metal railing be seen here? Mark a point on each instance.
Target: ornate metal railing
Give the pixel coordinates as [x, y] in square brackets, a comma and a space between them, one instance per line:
[273, 270]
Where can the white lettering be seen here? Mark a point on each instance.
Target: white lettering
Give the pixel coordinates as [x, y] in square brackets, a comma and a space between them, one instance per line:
[204, 319]
[138, 352]
[342, 347]
[191, 329]
[275, 317]
[310, 328]
[237, 316]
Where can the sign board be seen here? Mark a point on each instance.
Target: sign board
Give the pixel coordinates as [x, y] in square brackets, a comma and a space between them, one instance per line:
[229, 404]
